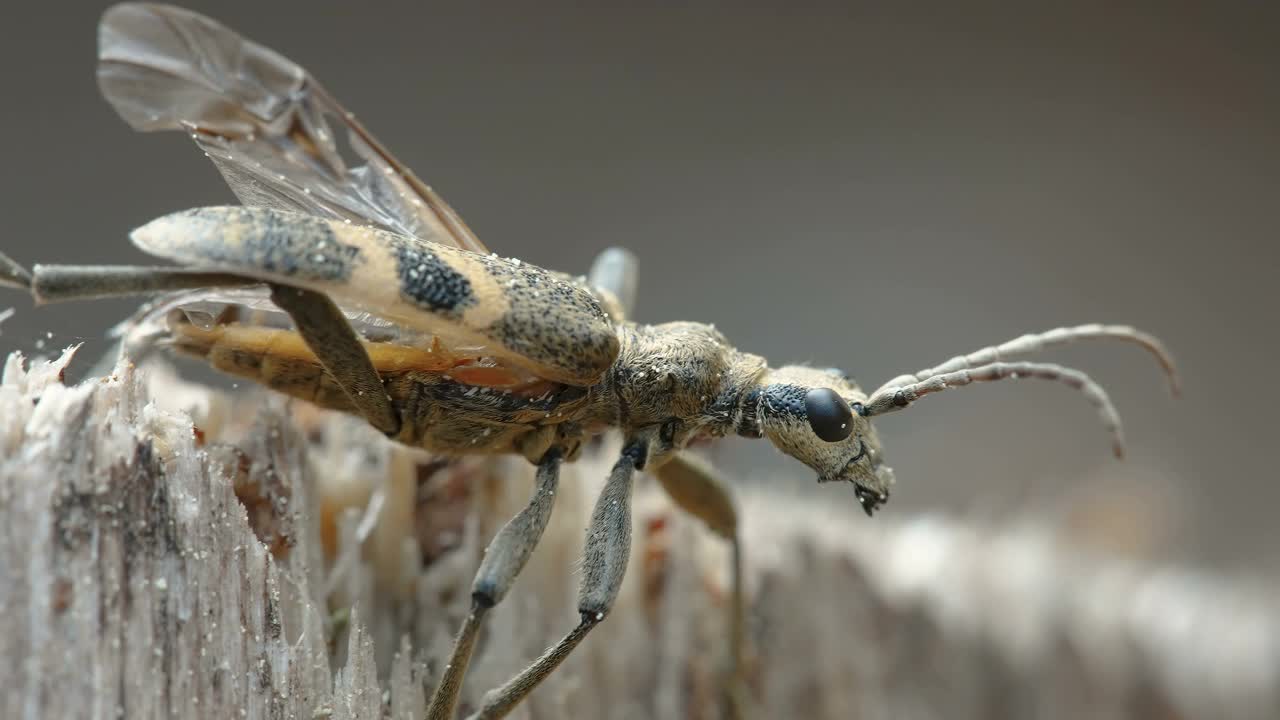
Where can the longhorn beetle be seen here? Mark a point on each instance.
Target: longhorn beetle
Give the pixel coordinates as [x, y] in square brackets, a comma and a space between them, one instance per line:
[355, 287]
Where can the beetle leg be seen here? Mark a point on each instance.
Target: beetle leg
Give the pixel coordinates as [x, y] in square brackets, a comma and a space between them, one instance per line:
[616, 271]
[604, 562]
[698, 490]
[59, 283]
[14, 275]
[504, 558]
[335, 344]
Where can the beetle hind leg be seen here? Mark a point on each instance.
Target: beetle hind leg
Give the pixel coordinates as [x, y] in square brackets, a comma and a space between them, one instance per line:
[319, 321]
[328, 334]
[61, 283]
[14, 275]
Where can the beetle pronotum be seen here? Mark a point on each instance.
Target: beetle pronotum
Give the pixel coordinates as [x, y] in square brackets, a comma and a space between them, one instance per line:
[359, 289]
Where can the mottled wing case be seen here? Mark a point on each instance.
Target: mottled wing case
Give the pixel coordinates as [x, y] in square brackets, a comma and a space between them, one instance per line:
[263, 120]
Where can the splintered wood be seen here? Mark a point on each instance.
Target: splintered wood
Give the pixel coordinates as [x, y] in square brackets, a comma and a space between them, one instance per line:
[168, 551]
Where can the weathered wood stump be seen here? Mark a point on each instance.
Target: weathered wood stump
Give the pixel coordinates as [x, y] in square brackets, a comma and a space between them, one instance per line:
[172, 551]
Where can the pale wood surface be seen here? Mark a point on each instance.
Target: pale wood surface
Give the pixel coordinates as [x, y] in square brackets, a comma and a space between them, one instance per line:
[132, 585]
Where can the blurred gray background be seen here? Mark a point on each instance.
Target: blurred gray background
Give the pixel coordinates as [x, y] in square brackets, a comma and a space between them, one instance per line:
[845, 184]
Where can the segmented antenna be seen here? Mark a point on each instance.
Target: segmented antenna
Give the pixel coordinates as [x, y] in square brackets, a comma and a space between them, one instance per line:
[887, 400]
[1033, 343]
[993, 363]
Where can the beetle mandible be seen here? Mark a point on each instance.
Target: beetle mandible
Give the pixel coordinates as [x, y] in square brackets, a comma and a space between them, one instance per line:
[356, 287]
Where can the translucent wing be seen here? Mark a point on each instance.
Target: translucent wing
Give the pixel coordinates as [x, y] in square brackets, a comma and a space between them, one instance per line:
[263, 120]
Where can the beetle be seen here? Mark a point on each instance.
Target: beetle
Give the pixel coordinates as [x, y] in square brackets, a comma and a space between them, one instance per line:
[354, 286]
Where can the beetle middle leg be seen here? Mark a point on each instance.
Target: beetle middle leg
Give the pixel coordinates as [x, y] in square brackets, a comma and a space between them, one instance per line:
[698, 490]
[616, 271]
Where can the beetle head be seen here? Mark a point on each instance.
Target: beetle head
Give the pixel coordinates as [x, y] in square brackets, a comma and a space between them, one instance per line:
[813, 415]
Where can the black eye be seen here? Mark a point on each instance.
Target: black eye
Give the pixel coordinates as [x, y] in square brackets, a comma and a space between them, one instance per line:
[829, 415]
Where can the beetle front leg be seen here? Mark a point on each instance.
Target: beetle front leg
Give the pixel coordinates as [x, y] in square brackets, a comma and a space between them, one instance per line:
[504, 558]
[698, 490]
[604, 563]
[335, 344]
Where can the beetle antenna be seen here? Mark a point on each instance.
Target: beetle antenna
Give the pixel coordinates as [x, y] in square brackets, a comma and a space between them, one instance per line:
[896, 397]
[14, 275]
[1038, 342]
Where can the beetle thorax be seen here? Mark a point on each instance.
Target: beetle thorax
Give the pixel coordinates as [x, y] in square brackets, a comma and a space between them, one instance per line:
[682, 374]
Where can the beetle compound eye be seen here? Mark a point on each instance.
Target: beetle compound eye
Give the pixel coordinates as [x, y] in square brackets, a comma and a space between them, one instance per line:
[829, 415]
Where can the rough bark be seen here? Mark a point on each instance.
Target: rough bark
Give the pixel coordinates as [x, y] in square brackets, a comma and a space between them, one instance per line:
[171, 551]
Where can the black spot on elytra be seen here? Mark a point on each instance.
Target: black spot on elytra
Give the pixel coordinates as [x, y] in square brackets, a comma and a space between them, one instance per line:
[290, 245]
[430, 283]
[551, 319]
